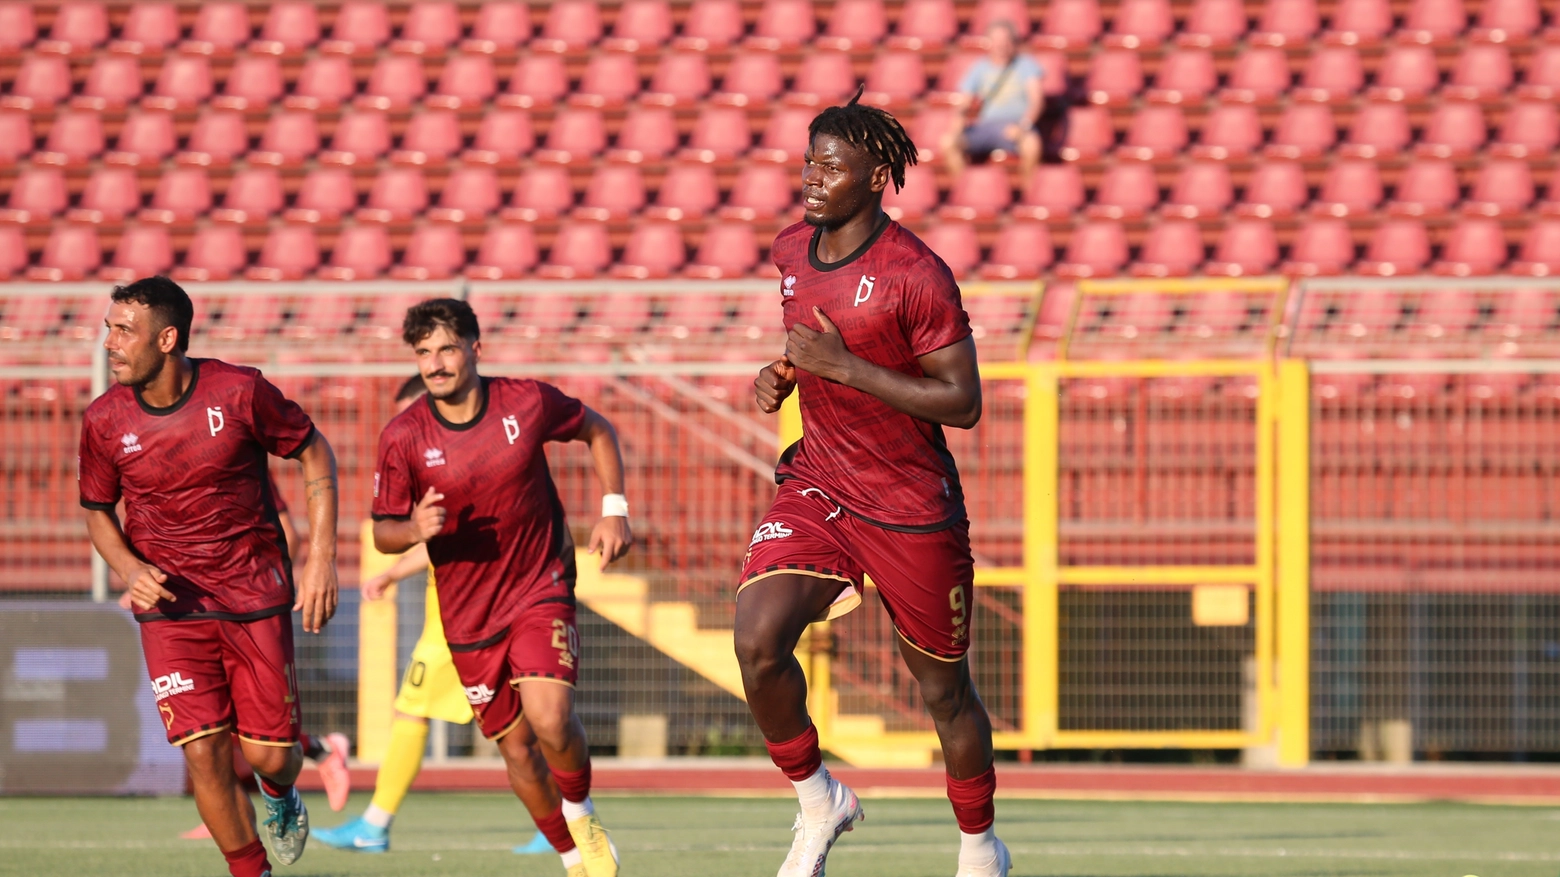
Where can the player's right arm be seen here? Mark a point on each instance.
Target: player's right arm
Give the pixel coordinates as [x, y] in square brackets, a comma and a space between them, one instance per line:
[145, 581]
[393, 536]
[774, 383]
[407, 565]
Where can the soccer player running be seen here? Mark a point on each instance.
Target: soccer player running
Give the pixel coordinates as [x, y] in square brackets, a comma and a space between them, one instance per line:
[879, 347]
[466, 474]
[430, 690]
[184, 442]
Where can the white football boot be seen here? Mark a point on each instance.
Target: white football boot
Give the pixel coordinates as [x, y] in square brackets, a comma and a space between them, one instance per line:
[814, 836]
[998, 866]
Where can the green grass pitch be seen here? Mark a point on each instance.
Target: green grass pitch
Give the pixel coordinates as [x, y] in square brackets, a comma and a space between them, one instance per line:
[470, 835]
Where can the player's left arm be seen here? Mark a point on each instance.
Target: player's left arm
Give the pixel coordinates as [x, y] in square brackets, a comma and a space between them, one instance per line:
[611, 537]
[948, 393]
[317, 589]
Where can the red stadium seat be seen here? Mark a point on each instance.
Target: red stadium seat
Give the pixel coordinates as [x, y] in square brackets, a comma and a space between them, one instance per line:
[1447, 312]
[469, 194]
[113, 81]
[543, 192]
[925, 23]
[1434, 21]
[1475, 247]
[752, 79]
[182, 194]
[688, 191]
[761, 192]
[467, 81]
[1455, 129]
[430, 26]
[918, 197]
[956, 244]
[1287, 23]
[143, 251]
[1231, 131]
[1157, 133]
[362, 136]
[1398, 246]
[398, 194]
[1247, 247]
[396, 82]
[1333, 74]
[217, 138]
[855, 24]
[930, 129]
[728, 250]
[149, 28]
[360, 28]
[1022, 251]
[1141, 23]
[146, 139]
[1506, 20]
[1186, 76]
[648, 134]
[78, 27]
[954, 68]
[784, 24]
[18, 27]
[1483, 72]
[1127, 191]
[72, 252]
[572, 25]
[785, 135]
[1406, 73]
[1214, 23]
[362, 252]
[42, 81]
[1540, 252]
[290, 137]
[826, 78]
[680, 79]
[1016, 13]
[253, 195]
[289, 253]
[1260, 75]
[290, 27]
[1304, 130]
[1541, 81]
[655, 249]
[577, 134]
[539, 80]
[895, 79]
[719, 134]
[1068, 23]
[215, 253]
[1504, 187]
[38, 194]
[1360, 22]
[1173, 248]
[1090, 133]
[1054, 193]
[1352, 187]
[1380, 129]
[641, 26]
[581, 250]
[1531, 129]
[500, 27]
[111, 194]
[981, 192]
[1322, 247]
[1275, 189]
[614, 192]
[507, 251]
[16, 136]
[13, 248]
[434, 252]
[1202, 189]
[1097, 249]
[219, 28]
[610, 79]
[1426, 188]
[75, 138]
[431, 137]
[502, 137]
[325, 81]
[255, 82]
[1115, 77]
[712, 24]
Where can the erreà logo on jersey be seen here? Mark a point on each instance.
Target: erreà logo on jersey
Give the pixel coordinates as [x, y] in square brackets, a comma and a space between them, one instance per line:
[477, 695]
[171, 684]
[433, 457]
[131, 441]
[770, 530]
[789, 287]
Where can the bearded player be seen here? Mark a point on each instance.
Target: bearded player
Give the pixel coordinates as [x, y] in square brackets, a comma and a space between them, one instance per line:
[879, 347]
[184, 442]
[465, 472]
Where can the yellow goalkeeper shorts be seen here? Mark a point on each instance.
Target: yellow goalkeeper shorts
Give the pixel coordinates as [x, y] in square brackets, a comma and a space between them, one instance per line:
[431, 689]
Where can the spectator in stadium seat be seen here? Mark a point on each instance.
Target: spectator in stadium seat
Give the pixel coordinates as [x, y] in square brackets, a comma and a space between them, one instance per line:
[1002, 99]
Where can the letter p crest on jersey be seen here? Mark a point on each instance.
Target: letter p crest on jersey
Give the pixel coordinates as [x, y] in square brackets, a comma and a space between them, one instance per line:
[511, 428]
[864, 290]
[214, 419]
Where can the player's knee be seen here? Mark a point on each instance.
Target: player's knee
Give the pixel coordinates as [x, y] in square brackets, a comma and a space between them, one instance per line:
[758, 649]
[944, 699]
[551, 727]
[270, 761]
[207, 756]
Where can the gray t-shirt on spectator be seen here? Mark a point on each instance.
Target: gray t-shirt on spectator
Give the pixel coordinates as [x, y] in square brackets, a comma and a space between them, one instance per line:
[1011, 100]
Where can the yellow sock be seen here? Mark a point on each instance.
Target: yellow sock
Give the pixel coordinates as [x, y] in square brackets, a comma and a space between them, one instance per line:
[403, 759]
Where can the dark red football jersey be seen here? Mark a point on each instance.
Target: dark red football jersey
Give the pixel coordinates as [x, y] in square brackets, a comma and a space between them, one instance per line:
[893, 300]
[505, 545]
[199, 502]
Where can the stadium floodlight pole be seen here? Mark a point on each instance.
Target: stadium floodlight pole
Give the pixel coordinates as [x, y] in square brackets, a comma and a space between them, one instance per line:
[99, 387]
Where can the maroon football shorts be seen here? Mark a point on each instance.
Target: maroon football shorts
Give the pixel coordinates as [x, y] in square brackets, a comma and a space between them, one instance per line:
[542, 643]
[926, 580]
[210, 675]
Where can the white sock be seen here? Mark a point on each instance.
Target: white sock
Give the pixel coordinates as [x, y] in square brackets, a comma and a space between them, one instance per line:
[813, 792]
[378, 816]
[978, 849]
[571, 858]
[573, 811]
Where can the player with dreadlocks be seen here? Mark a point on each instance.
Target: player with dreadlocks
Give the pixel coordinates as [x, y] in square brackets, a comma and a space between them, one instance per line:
[879, 347]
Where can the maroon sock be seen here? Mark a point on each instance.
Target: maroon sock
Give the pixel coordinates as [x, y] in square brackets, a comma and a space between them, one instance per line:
[574, 786]
[274, 790]
[249, 861]
[799, 757]
[972, 799]
[556, 828]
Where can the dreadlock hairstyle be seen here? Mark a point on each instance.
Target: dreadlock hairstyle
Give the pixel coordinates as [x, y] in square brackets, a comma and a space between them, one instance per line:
[875, 130]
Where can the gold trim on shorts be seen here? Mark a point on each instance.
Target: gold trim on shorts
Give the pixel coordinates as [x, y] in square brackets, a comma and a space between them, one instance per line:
[943, 658]
[515, 682]
[512, 725]
[199, 734]
[277, 743]
[836, 609]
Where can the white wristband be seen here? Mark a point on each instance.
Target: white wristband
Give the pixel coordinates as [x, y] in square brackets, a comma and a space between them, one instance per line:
[614, 505]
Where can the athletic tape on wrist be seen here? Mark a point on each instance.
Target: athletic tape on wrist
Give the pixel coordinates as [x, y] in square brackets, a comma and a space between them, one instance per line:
[614, 505]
